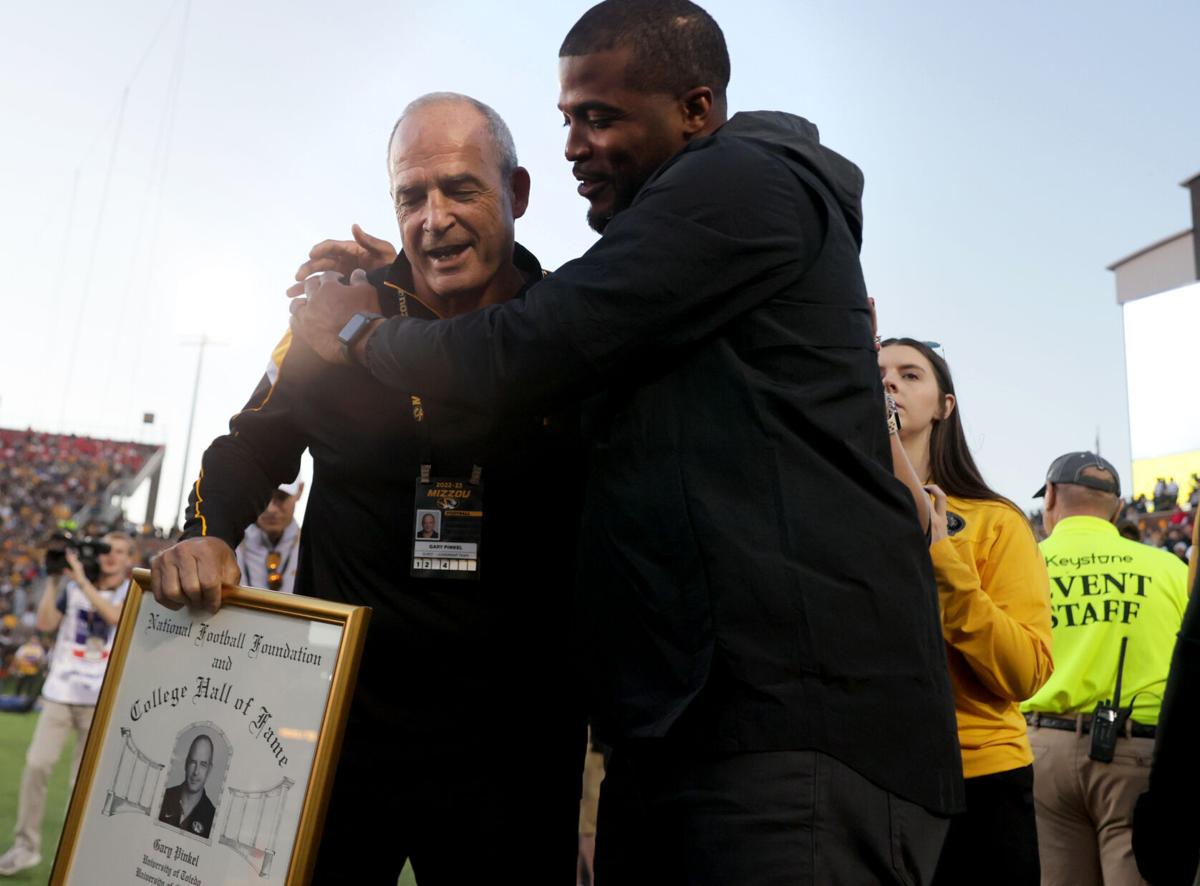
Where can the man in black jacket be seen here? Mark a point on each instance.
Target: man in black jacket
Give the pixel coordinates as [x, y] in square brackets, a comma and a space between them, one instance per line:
[1165, 842]
[186, 805]
[466, 716]
[774, 688]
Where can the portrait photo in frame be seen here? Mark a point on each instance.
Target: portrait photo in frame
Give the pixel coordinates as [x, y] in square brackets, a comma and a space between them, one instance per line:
[214, 743]
[198, 767]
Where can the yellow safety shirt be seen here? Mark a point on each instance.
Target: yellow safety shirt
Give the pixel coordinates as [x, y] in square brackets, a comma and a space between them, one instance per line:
[1104, 587]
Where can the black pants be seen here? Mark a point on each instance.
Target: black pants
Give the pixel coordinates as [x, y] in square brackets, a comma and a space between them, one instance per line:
[755, 819]
[460, 818]
[995, 840]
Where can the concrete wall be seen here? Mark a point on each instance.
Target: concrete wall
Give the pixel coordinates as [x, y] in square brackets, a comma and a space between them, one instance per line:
[1166, 265]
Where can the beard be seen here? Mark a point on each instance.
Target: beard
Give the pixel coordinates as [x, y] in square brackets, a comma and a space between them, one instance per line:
[598, 221]
[623, 193]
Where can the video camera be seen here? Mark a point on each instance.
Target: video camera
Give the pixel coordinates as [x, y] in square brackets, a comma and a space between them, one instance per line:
[87, 549]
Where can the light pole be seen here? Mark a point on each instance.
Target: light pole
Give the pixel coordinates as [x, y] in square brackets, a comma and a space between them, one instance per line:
[204, 342]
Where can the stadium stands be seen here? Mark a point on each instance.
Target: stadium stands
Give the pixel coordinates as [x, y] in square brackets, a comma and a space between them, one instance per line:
[52, 480]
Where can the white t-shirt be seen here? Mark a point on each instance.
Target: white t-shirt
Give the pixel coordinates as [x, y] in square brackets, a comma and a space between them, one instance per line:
[82, 647]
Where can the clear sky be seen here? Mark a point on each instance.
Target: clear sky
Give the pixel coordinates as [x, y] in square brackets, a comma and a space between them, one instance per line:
[1011, 152]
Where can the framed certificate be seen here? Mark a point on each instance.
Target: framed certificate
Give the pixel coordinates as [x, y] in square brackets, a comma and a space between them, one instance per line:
[214, 744]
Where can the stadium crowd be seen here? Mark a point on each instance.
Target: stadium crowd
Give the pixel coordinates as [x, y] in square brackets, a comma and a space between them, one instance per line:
[46, 482]
[1164, 521]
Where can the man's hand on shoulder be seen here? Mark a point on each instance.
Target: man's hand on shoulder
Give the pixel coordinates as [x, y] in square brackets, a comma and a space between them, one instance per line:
[326, 307]
[344, 257]
[192, 573]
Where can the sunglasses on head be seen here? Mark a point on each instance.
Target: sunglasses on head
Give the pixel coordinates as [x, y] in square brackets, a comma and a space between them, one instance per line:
[936, 347]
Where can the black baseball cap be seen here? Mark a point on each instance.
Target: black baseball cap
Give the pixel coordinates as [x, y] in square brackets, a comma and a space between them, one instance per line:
[1069, 469]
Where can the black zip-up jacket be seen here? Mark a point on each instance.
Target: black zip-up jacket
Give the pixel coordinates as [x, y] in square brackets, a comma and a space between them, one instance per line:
[746, 554]
[1165, 842]
[447, 662]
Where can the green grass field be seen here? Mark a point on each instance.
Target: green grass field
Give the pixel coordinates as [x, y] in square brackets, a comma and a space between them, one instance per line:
[15, 732]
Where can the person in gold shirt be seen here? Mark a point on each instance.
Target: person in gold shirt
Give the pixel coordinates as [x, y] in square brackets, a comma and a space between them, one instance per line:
[994, 595]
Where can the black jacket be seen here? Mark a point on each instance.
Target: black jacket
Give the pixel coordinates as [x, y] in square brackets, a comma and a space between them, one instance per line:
[747, 557]
[445, 661]
[1165, 842]
[199, 822]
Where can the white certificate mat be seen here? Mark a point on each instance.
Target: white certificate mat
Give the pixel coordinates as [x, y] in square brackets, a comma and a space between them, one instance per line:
[200, 767]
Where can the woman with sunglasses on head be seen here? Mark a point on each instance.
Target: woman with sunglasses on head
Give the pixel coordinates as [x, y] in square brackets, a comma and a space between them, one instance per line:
[994, 596]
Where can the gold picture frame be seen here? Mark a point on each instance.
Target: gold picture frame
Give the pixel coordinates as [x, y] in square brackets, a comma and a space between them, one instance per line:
[105, 830]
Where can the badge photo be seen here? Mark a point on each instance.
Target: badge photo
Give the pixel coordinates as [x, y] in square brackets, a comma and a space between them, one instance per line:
[447, 528]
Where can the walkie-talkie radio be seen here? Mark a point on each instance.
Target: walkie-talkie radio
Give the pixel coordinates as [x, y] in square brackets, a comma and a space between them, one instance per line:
[1108, 720]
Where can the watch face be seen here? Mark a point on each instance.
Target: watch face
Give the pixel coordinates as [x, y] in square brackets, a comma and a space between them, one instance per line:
[351, 329]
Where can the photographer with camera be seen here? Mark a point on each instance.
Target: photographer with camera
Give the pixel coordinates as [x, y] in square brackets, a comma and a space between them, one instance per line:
[85, 589]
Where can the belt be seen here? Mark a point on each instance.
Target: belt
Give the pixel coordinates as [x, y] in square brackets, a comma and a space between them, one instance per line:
[1082, 723]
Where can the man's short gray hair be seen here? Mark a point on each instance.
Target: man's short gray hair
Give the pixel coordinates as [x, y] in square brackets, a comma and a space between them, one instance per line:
[502, 140]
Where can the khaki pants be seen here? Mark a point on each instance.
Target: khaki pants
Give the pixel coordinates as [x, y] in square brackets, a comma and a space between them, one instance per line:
[55, 723]
[1085, 808]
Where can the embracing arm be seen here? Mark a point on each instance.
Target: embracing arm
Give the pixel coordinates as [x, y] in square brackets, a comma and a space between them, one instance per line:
[999, 616]
[718, 232]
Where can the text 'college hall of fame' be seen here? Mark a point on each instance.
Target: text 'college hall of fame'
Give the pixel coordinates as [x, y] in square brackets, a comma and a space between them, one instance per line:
[201, 774]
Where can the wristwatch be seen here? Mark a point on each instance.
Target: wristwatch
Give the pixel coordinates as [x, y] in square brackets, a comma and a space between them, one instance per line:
[356, 327]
